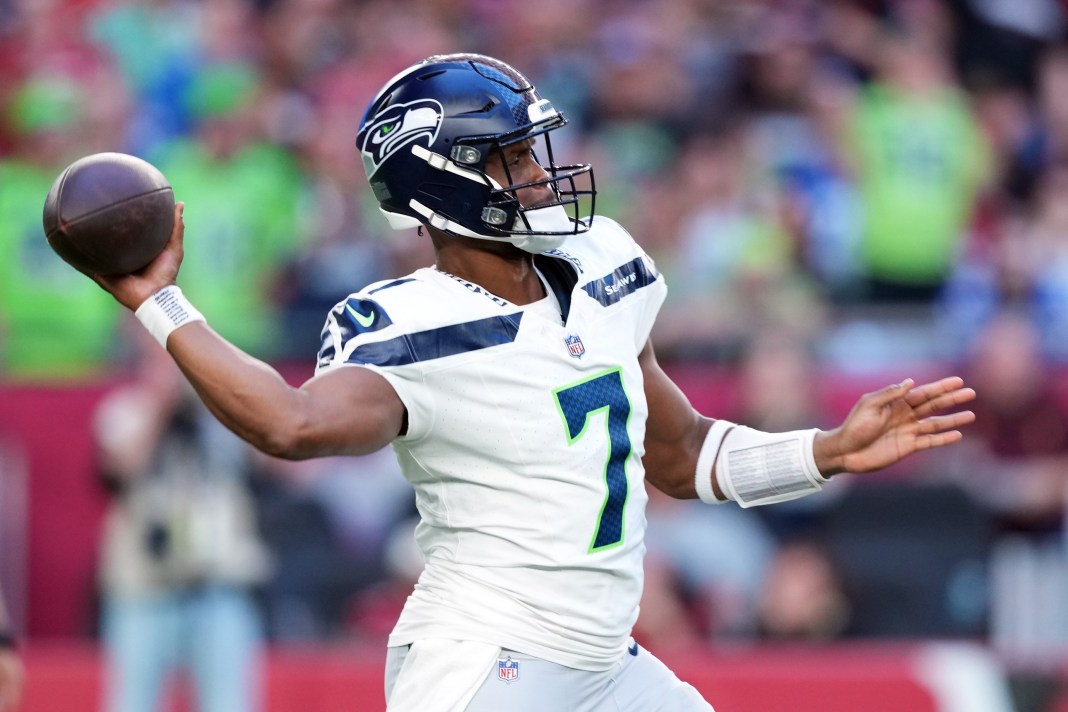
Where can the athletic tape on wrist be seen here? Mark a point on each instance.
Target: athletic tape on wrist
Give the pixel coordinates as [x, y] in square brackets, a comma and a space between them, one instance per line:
[707, 458]
[165, 311]
[755, 468]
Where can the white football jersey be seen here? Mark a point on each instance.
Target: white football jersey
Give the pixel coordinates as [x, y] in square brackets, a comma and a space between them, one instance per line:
[525, 437]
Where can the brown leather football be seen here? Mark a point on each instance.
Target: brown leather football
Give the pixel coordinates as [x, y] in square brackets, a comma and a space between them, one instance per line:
[109, 213]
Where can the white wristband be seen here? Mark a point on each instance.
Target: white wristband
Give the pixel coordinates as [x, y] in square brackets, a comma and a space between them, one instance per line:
[707, 458]
[754, 467]
[165, 311]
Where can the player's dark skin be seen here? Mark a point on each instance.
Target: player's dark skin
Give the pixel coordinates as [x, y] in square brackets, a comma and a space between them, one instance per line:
[350, 411]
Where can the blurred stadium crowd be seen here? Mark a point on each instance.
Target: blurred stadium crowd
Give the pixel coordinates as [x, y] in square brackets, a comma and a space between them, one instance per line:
[834, 189]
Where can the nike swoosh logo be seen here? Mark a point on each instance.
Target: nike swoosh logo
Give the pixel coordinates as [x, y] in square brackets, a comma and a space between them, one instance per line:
[364, 320]
[633, 650]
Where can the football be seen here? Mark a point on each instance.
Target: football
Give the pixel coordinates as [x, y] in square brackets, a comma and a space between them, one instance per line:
[109, 214]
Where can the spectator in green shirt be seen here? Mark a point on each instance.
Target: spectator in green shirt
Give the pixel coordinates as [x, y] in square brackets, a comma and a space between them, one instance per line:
[53, 323]
[920, 161]
[245, 194]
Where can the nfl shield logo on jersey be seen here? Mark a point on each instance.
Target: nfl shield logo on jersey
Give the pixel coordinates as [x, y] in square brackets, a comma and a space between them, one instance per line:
[574, 345]
[508, 670]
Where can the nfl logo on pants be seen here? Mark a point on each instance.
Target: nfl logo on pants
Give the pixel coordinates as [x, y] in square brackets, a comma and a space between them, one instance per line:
[508, 670]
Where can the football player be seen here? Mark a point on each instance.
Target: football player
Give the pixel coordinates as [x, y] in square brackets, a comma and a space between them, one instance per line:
[517, 384]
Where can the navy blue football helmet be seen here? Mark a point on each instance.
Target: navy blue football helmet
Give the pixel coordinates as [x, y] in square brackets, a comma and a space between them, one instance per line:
[425, 140]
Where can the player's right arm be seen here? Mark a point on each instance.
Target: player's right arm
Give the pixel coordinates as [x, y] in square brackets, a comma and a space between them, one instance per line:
[346, 411]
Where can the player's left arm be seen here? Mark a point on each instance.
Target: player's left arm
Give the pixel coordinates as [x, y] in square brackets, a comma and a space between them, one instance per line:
[674, 431]
[883, 427]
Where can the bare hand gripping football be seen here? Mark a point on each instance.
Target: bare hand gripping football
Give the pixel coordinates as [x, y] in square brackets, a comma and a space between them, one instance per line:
[109, 213]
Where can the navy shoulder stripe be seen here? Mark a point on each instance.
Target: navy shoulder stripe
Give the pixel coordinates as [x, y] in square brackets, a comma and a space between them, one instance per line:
[394, 283]
[624, 280]
[440, 342]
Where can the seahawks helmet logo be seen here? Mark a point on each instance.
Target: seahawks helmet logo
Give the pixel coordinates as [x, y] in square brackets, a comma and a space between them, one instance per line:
[397, 126]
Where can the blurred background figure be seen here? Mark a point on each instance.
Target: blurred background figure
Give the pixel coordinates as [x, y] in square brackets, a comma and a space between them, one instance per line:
[182, 555]
[1024, 270]
[1016, 465]
[54, 326]
[331, 525]
[733, 266]
[11, 670]
[60, 99]
[919, 160]
[374, 606]
[703, 573]
[803, 597]
[247, 192]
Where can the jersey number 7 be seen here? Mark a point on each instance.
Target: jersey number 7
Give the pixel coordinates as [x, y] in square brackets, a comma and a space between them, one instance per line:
[577, 403]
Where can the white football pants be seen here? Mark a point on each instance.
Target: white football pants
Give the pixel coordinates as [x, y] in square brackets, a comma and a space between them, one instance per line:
[464, 676]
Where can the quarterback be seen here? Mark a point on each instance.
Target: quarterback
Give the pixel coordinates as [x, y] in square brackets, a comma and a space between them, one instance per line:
[517, 384]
